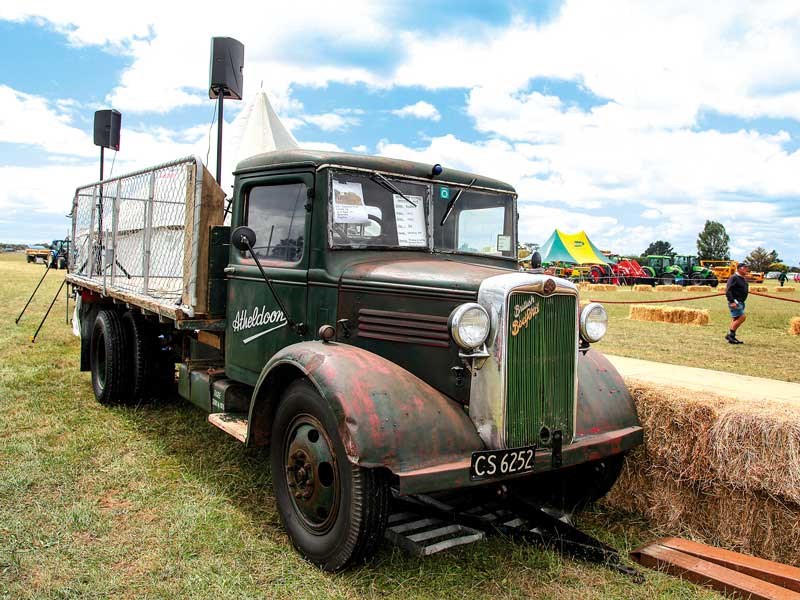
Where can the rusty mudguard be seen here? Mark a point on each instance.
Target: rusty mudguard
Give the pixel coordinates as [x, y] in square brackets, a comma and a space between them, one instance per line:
[390, 418]
[387, 416]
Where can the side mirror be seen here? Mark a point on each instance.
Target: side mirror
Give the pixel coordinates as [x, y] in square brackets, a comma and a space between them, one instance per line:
[243, 238]
[536, 260]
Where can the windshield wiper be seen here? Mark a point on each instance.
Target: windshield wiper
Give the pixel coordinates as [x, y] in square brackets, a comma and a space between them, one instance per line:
[452, 202]
[386, 184]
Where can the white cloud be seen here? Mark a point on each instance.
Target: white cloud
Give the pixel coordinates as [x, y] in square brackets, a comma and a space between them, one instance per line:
[420, 110]
[331, 121]
[361, 149]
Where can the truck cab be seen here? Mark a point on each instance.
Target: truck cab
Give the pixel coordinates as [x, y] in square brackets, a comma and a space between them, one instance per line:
[367, 320]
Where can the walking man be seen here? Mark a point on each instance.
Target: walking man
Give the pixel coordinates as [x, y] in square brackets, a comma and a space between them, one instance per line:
[736, 292]
[782, 278]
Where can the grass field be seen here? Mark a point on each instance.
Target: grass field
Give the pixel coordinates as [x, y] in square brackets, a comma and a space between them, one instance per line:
[769, 351]
[152, 502]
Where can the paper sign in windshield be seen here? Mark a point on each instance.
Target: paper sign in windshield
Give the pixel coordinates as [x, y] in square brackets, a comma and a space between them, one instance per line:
[410, 221]
[348, 203]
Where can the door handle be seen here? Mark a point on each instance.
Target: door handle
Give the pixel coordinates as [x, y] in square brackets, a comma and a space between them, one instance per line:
[229, 270]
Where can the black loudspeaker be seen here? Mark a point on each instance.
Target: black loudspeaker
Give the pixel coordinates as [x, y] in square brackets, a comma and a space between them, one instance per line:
[227, 64]
[107, 124]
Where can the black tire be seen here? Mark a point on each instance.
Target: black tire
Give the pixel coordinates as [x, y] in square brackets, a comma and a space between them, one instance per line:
[108, 353]
[667, 279]
[30, 259]
[61, 263]
[333, 524]
[713, 281]
[140, 357]
[573, 489]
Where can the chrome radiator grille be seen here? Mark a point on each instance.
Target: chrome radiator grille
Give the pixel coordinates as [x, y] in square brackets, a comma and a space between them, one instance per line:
[540, 367]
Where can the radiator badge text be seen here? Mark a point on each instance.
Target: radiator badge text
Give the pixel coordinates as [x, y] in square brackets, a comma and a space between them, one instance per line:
[523, 314]
[258, 317]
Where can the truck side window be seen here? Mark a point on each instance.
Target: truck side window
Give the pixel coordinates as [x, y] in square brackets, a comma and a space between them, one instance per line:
[277, 214]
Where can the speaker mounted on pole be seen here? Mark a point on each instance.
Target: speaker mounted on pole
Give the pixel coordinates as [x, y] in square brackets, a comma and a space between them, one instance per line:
[107, 124]
[227, 65]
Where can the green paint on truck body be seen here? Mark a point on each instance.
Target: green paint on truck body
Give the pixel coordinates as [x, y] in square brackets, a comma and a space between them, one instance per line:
[397, 382]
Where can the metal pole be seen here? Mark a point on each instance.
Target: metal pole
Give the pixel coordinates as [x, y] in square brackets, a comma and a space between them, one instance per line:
[49, 308]
[33, 294]
[219, 136]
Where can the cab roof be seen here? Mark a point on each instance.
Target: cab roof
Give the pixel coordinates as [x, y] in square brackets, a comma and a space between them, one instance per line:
[314, 159]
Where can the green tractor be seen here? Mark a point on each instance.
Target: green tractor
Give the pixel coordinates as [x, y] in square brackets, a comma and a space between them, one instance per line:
[662, 270]
[694, 273]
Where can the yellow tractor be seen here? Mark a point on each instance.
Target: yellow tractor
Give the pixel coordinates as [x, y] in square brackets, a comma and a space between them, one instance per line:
[724, 269]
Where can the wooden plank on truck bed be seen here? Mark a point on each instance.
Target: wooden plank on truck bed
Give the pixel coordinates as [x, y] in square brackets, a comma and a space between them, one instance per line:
[212, 206]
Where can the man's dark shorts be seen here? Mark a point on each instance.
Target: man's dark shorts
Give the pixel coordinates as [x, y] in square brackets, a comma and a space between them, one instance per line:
[738, 311]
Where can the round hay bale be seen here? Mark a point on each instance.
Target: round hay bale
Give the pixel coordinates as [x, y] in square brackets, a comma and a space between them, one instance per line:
[789, 289]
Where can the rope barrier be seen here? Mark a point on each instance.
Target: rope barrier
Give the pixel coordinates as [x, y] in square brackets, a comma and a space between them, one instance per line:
[659, 301]
[775, 297]
[690, 298]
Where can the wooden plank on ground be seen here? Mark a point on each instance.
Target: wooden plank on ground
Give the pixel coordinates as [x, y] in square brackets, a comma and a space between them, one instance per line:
[706, 573]
[768, 570]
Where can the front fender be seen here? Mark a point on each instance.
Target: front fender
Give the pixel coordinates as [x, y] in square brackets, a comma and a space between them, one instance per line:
[604, 402]
[387, 417]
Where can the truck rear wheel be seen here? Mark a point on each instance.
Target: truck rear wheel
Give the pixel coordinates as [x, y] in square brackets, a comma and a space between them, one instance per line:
[334, 512]
[140, 355]
[108, 352]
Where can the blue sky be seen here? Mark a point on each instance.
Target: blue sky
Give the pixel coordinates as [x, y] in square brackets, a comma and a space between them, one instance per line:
[634, 121]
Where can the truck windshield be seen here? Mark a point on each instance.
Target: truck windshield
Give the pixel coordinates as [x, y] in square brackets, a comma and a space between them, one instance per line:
[367, 212]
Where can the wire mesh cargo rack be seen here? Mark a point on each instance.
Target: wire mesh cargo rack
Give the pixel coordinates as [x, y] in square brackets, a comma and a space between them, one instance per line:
[143, 237]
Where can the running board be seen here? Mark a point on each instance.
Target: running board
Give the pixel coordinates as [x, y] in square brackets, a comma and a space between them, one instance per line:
[722, 570]
[425, 524]
[234, 424]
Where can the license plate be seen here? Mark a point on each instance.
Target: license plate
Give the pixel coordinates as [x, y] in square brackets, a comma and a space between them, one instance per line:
[490, 464]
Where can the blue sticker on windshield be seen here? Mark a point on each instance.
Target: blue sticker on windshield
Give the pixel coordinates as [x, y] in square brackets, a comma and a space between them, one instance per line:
[444, 193]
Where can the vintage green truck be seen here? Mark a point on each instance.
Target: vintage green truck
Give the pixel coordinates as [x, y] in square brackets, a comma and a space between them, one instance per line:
[363, 316]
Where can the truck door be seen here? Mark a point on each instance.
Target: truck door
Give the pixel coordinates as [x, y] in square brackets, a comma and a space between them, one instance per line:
[275, 209]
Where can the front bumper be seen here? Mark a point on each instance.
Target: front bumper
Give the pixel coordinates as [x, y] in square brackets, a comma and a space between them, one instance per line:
[456, 474]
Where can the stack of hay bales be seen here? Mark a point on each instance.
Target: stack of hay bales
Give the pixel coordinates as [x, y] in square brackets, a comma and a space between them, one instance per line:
[759, 288]
[722, 470]
[602, 287]
[786, 290]
[642, 288]
[698, 288]
[669, 288]
[678, 314]
[794, 326]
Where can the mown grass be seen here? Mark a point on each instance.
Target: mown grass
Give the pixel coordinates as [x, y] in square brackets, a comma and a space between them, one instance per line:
[769, 351]
[152, 502]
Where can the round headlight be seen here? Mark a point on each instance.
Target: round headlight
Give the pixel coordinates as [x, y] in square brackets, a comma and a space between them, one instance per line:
[469, 325]
[594, 322]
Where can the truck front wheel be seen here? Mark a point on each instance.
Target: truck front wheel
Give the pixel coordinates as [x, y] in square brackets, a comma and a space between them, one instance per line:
[107, 354]
[334, 512]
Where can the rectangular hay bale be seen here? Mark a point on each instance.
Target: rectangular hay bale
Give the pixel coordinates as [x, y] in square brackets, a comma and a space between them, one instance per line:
[678, 314]
[724, 470]
[785, 290]
[759, 288]
[669, 288]
[602, 287]
[698, 288]
[794, 326]
[642, 288]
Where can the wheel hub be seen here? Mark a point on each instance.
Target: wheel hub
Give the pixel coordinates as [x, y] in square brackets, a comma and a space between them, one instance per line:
[311, 474]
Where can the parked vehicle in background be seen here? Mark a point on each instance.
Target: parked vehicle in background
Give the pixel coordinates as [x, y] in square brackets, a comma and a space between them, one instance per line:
[37, 252]
[367, 319]
[662, 270]
[693, 272]
[724, 270]
[59, 254]
[772, 275]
